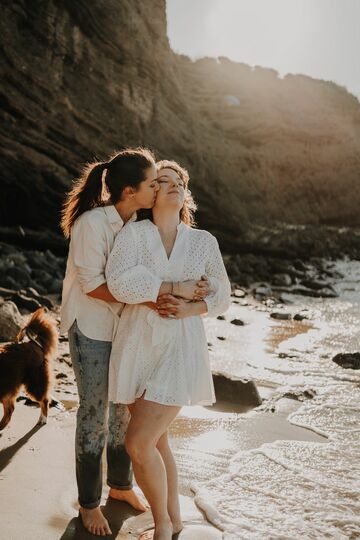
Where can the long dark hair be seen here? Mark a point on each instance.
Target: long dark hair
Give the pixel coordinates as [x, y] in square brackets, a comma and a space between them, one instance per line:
[123, 169]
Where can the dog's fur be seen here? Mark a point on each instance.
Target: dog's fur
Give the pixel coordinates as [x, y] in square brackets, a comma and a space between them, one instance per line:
[28, 364]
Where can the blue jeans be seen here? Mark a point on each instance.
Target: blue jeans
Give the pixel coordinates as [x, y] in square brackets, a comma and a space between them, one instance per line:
[97, 421]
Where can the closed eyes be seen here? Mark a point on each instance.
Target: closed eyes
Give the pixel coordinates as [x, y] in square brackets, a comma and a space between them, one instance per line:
[179, 184]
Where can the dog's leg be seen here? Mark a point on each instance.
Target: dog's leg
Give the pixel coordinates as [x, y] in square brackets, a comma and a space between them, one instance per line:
[44, 408]
[9, 406]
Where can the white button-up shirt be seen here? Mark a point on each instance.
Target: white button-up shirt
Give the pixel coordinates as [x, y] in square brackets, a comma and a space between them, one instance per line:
[92, 238]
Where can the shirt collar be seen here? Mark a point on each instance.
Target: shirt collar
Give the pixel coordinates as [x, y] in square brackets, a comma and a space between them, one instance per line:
[114, 216]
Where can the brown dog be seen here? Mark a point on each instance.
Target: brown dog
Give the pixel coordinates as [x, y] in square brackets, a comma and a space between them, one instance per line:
[28, 364]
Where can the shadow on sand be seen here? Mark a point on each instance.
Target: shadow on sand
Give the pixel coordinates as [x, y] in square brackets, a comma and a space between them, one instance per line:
[116, 512]
[9, 452]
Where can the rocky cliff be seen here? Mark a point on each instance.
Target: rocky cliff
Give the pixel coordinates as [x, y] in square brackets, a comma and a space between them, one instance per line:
[81, 79]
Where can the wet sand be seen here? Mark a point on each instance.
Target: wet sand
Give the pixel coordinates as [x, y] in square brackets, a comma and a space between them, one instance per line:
[37, 468]
[37, 464]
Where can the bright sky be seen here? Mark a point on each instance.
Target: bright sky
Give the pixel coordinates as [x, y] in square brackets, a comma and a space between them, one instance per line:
[320, 38]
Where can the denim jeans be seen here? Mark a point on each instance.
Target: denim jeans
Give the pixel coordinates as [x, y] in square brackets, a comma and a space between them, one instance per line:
[98, 421]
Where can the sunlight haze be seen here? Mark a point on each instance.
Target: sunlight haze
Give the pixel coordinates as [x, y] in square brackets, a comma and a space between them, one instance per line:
[319, 38]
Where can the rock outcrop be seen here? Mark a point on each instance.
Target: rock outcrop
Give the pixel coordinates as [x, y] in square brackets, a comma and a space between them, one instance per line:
[81, 79]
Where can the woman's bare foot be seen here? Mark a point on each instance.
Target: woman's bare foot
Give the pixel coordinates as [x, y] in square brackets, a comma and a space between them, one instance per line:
[177, 526]
[129, 496]
[164, 531]
[147, 535]
[94, 521]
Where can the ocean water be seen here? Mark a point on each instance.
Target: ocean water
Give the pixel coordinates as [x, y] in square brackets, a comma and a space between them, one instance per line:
[292, 489]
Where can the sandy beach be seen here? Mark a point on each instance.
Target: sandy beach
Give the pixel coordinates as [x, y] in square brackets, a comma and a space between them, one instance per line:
[37, 466]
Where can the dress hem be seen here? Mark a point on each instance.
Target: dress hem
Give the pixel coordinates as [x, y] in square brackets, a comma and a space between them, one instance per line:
[192, 404]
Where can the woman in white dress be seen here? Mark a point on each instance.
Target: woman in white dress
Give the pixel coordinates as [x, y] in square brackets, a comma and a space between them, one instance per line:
[159, 360]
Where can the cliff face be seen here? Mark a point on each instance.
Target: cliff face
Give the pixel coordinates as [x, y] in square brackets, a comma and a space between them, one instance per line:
[81, 79]
[287, 149]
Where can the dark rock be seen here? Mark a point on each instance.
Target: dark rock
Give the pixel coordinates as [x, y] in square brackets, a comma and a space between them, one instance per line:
[222, 338]
[23, 302]
[65, 359]
[9, 283]
[301, 316]
[300, 395]
[41, 276]
[327, 292]
[281, 316]
[43, 300]
[10, 321]
[7, 249]
[18, 259]
[300, 265]
[322, 293]
[239, 293]
[313, 284]
[263, 291]
[55, 286]
[237, 322]
[221, 318]
[347, 360]
[61, 376]
[4, 292]
[236, 390]
[282, 280]
[20, 275]
[41, 289]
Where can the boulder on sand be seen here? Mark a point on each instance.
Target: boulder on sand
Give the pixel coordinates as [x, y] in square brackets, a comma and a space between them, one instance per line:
[347, 360]
[236, 390]
[10, 321]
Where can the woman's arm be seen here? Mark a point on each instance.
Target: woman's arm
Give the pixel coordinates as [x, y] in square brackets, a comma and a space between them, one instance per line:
[170, 307]
[218, 301]
[132, 283]
[102, 293]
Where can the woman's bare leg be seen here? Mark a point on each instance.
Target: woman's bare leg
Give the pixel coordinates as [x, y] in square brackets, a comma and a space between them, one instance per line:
[149, 421]
[173, 504]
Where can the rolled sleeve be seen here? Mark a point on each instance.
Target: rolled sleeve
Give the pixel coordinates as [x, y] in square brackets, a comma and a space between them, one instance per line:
[89, 253]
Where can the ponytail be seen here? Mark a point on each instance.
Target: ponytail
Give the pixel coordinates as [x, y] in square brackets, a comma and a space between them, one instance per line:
[125, 168]
[85, 195]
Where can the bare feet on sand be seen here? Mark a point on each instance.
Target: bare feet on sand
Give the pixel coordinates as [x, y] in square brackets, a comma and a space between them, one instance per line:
[162, 533]
[129, 496]
[94, 521]
[177, 527]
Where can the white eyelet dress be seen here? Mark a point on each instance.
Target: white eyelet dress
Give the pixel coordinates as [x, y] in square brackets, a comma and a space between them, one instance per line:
[165, 358]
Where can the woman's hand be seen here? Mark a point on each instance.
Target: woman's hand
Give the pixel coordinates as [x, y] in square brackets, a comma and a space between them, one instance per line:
[166, 305]
[192, 289]
[170, 307]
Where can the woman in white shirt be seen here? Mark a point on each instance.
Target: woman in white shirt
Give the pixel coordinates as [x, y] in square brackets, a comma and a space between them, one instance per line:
[158, 364]
[89, 313]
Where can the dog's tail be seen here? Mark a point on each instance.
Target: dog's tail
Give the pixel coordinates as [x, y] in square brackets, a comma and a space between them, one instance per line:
[41, 330]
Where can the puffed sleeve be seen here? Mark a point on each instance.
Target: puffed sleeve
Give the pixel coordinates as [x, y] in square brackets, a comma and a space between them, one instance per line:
[218, 301]
[127, 280]
[88, 239]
